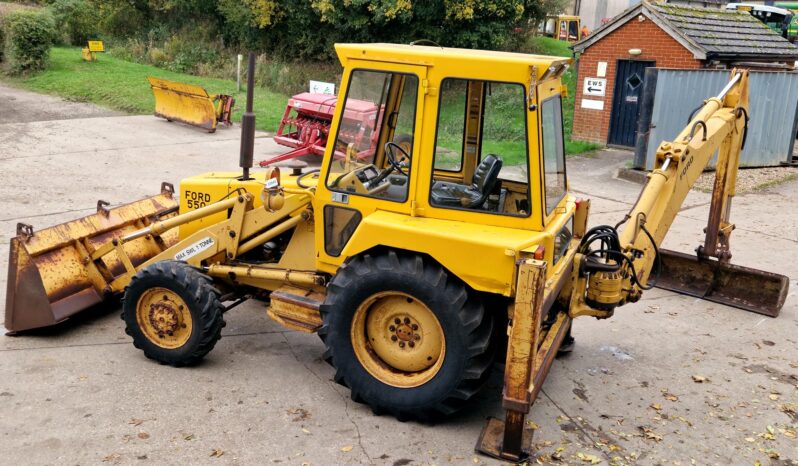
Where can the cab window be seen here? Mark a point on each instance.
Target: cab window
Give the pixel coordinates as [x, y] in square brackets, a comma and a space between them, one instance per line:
[374, 144]
[481, 157]
[553, 151]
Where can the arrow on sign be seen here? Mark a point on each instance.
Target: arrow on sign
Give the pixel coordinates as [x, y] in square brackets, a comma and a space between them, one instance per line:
[591, 89]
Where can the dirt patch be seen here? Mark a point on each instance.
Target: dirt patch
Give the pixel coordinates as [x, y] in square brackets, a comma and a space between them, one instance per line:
[30, 106]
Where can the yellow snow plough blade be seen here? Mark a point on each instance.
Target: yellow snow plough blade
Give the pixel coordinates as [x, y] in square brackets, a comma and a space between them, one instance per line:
[52, 275]
[185, 103]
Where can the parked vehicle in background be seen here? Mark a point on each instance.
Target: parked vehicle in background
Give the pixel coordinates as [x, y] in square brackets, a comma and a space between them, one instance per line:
[562, 27]
[792, 30]
[780, 19]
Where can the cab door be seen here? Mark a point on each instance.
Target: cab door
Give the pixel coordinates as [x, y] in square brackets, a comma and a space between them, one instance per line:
[371, 158]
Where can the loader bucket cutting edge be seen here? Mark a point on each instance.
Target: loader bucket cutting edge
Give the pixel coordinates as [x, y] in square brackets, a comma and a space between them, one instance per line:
[733, 285]
[49, 278]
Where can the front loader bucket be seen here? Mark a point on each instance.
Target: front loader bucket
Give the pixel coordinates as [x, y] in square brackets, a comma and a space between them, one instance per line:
[741, 287]
[50, 274]
[183, 102]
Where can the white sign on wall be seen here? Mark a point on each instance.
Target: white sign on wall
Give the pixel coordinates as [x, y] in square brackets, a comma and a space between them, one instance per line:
[593, 104]
[320, 87]
[596, 87]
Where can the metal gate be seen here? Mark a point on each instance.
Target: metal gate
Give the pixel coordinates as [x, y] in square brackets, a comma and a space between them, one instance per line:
[671, 95]
[629, 79]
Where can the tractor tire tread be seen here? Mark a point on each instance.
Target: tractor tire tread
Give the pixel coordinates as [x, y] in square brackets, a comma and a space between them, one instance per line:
[202, 299]
[475, 326]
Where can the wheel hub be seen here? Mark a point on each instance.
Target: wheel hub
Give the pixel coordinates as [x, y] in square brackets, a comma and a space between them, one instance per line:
[404, 343]
[164, 318]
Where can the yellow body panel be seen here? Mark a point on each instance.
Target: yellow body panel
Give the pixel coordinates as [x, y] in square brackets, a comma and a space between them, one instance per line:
[182, 102]
[455, 238]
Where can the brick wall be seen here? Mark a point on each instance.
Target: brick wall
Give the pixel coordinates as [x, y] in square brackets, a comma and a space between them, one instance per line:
[656, 44]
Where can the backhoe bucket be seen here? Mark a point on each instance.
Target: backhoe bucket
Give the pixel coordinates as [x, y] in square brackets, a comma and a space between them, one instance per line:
[183, 102]
[50, 274]
[741, 287]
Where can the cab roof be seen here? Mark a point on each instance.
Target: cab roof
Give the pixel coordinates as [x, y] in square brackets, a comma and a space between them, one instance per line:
[426, 55]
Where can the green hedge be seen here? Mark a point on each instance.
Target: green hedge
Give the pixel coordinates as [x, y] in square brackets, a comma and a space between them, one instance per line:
[77, 21]
[29, 36]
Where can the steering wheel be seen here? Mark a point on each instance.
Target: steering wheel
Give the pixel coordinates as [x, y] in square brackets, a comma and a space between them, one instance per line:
[389, 146]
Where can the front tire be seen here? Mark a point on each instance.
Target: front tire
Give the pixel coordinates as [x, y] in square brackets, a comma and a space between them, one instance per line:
[173, 313]
[405, 336]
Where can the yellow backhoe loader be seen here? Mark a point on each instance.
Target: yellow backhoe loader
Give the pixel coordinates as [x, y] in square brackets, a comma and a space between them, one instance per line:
[417, 264]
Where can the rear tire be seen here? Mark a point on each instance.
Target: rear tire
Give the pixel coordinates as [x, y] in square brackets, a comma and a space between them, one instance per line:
[173, 313]
[378, 290]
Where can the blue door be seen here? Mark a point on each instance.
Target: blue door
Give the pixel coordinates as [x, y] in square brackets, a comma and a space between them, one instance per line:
[626, 100]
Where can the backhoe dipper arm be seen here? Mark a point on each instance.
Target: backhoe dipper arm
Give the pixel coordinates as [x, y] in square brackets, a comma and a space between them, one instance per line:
[719, 124]
[618, 270]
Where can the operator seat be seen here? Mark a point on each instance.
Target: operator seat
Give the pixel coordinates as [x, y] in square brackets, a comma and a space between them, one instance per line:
[459, 195]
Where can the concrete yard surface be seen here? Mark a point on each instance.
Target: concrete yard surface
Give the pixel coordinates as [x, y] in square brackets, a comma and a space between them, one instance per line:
[668, 380]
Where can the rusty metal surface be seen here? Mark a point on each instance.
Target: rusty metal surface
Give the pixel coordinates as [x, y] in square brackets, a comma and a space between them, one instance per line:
[296, 308]
[733, 285]
[50, 278]
[491, 442]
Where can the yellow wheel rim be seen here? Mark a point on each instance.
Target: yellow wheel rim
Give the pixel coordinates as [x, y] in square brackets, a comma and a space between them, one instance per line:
[398, 339]
[164, 318]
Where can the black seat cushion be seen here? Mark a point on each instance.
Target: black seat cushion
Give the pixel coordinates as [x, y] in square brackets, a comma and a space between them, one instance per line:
[459, 195]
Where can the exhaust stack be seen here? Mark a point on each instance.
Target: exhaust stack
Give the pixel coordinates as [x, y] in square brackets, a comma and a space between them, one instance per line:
[248, 122]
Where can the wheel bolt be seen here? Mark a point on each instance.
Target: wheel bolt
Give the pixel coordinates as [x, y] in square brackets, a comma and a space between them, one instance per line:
[397, 321]
[414, 327]
[393, 338]
[401, 344]
[392, 328]
[407, 320]
[412, 344]
[417, 337]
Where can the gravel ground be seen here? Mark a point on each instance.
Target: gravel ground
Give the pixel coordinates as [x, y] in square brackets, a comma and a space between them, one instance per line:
[751, 179]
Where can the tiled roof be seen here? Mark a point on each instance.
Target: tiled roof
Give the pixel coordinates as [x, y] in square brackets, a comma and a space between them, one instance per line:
[708, 33]
[726, 33]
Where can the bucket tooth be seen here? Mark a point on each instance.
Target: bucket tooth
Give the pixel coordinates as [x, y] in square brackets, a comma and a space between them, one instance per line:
[50, 274]
[733, 285]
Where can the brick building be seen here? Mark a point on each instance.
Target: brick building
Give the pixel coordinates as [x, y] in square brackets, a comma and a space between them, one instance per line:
[612, 60]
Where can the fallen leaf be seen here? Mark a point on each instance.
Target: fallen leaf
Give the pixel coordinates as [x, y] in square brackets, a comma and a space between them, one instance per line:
[650, 434]
[773, 396]
[136, 422]
[587, 458]
[144, 435]
[532, 425]
[789, 433]
[217, 452]
[112, 457]
[188, 436]
[347, 448]
[305, 430]
[656, 406]
[750, 439]
[670, 396]
[699, 379]
[557, 455]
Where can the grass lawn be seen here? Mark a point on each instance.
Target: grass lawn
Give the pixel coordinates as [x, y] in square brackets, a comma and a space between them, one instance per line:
[123, 85]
